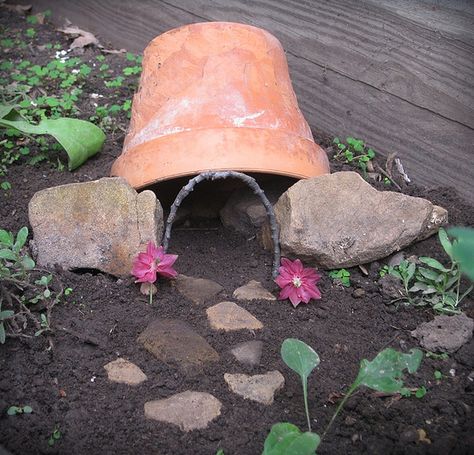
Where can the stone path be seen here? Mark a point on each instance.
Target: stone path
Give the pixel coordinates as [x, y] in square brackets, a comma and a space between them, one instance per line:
[175, 342]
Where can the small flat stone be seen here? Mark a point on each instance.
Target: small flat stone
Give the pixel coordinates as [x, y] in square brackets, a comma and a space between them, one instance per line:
[253, 290]
[198, 290]
[188, 410]
[248, 353]
[172, 340]
[260, 387]
[445, 333]
[124, 372]
[230, 316]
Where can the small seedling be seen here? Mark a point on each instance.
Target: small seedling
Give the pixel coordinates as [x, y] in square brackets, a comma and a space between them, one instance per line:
[383, 271]
[341, 276]
[383, 374]
[17, 410]
[55, 436]
[438, 375]
[435, 285]
[354, 151]
[433, 355]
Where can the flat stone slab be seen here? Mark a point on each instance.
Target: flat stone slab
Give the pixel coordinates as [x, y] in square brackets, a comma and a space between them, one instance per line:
[172, 340]
[124, 372]
[100, 225]
[445, 333]
[260, 387]
[198, 290]
[188, 410]
[230, 316]
[253, 290]
[249, 353]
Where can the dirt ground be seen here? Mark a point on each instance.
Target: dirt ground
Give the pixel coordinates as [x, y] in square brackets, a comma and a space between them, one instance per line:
[67, 386]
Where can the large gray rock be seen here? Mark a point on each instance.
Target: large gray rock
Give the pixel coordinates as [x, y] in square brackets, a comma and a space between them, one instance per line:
[95, 225]
[445, 333]
[339, 220]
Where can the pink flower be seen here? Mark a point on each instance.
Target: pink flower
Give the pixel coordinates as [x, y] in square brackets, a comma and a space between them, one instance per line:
[297, 283]
[153, 261]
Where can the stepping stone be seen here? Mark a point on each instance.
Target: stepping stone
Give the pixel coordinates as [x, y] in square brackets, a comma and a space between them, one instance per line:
[124, 372]
[260, 387]
[198, 290]
[188, 410]
[94, 225]
[172, 340]
[445, 333]
[248, 353]
[253, 290]
[230, 316]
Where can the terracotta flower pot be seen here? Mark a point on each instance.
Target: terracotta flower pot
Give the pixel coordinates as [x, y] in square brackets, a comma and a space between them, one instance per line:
[216, 96]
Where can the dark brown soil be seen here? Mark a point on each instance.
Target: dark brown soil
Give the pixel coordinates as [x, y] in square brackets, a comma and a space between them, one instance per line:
[67, 386]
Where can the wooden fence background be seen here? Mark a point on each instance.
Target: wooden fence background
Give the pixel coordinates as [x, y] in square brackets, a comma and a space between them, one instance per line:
[396, 73]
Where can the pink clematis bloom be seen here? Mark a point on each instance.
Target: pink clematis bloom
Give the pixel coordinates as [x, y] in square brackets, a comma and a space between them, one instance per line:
[154, 261]
[297, 283]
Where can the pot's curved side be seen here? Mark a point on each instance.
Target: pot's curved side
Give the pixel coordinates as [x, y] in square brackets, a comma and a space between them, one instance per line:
[216, 96]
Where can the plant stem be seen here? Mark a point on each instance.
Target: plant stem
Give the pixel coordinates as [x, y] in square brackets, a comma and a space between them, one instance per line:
[151, 295]
[305, 396]
[341, 404]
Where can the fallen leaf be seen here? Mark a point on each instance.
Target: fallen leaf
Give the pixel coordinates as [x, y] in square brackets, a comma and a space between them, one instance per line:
[40, 17]
[82, 39]
[422, 436]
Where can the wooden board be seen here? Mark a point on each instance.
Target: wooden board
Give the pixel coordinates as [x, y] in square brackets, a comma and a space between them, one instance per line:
[398, 74]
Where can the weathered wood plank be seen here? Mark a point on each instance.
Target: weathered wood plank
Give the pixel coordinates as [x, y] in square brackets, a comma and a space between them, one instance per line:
[358, 69]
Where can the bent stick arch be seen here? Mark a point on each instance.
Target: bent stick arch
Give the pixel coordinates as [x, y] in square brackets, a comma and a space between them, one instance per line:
[252, 183]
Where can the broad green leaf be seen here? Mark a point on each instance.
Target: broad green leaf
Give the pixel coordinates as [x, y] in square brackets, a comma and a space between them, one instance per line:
[445, 242]
[384, 373]
[7, 254]
[434, 264]
[13, 410]
[27, 409]
[6, 238]
[6, 314]
[21, 239]
[28, 263]
[300, 357]
[418, 286]
[411, 270]
[287, 439]
[427, 273]
[463, 249]
[80, 139]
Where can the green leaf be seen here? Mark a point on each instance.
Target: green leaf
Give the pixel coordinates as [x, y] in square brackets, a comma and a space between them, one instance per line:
[27, 409]
[300, 357]
[384, 373]
[28, 263]
[8, 254]
[427, 273]
[287, 439]
[80, 139]
[21, 239]
[433, 263]
[13, 410]
[5, 314]
[421, 392]
[6, 238]
[445, 243]
[410, 270]
[463, 249]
